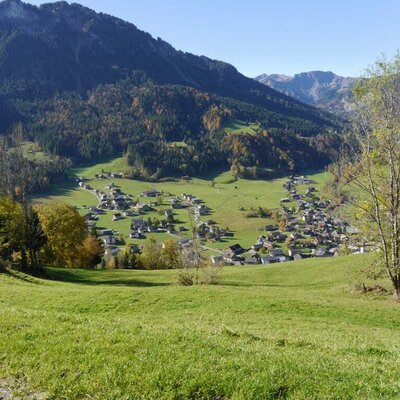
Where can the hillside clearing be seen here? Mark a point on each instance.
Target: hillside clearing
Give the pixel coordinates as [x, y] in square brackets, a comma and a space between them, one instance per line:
[293, 331]
[234, 126]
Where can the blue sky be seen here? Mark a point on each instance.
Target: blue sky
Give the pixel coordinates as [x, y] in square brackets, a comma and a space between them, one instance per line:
[272, 36]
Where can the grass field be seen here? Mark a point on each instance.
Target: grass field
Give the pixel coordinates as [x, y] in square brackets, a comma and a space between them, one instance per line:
[228, 199]
[236, 126]
[293, 331]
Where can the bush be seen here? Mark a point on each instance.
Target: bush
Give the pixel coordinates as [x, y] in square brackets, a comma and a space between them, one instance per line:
[185, 277]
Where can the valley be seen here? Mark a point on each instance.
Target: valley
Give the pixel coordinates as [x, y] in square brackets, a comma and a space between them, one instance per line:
[172, 228]
[235, 221]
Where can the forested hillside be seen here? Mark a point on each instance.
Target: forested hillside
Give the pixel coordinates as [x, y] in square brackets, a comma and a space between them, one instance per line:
[87, 85]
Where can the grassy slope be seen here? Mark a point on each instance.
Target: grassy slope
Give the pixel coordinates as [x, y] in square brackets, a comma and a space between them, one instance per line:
[236, 126]
[286, 331]
[224, 199]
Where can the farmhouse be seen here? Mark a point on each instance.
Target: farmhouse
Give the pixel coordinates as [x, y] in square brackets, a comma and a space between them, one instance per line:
[152, 193]
[217, 260]
[109, 240]
[116, 217]
[272, 260]
[117, 175]
[112, 250]
[252, 260]
[143, 207]
[234, 250]
[201, 210]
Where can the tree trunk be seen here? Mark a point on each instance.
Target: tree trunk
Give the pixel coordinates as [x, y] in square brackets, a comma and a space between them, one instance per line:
[33, 260]
[396, 293]
[24, 260]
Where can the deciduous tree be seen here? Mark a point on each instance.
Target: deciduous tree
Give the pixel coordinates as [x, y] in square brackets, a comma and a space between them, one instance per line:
[66, 232]
[373, 163]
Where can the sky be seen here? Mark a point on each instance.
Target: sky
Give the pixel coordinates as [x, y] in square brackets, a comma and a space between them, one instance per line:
[269, 36]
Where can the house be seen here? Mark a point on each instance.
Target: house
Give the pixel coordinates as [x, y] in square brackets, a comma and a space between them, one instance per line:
[190, 198]
[237, 249]
[107, 232]
[111, 251]
[272, 260]
[202, 210]
[109, 240]
[135, 235]
[143, 207]
[253, 260]
[301, 180]
[217, 260]
[257, 246]
[171, 229]
[319, 252]
[152, 193]
[135, 249]
[294, 252]
[271, 228]
[335, 252]
[277, 253]
[269, 244]
[233, 251]
[138, 224]
[117, 175]
[116, 217]
[185, 243]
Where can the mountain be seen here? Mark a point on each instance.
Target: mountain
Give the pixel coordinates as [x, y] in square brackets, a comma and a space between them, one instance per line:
[324, 90]
[63, 59]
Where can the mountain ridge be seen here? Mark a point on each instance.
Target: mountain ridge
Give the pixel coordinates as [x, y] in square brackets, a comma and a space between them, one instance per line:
[322, 89]
[87, 85]
[81, 40]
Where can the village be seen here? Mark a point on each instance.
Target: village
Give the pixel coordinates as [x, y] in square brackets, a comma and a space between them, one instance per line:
[302, 227]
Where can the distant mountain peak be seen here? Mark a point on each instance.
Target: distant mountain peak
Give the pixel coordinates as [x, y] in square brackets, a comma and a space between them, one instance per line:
[323, 89]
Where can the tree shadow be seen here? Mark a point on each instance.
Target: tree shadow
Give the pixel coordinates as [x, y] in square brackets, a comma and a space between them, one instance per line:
[78, 277]
[266, 285]
[22, 276]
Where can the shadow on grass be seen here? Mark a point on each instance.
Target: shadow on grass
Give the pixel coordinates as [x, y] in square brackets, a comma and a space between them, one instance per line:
[62, 189]
[267, 285]
[97, 278]
[22, 276]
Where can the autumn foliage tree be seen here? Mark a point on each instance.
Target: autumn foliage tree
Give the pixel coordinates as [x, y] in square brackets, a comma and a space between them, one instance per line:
[21, 234]
[171, 254]
[372, 164]
[69, 244]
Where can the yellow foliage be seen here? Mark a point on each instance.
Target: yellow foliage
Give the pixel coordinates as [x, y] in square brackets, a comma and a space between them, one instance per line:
[66, 232]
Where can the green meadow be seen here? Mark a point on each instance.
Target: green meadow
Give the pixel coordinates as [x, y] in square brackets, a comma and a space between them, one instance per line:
[228, 199]
[235, 126]
[288, 331]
